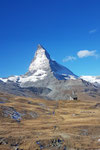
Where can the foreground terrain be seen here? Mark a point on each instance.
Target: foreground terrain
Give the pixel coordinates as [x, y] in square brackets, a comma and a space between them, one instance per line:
[37, 124]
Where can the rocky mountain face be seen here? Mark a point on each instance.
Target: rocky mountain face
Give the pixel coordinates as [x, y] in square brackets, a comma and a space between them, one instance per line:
[46, 78]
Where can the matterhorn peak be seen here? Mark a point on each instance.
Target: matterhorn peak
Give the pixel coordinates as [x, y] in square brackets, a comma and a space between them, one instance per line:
[41, 52]
[40, 60]
[43, 64]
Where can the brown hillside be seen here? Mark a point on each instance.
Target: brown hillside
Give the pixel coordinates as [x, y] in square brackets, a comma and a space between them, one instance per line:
[37, 124]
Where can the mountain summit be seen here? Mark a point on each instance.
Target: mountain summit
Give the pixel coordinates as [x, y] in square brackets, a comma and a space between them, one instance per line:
[42, 65]
[40, 61]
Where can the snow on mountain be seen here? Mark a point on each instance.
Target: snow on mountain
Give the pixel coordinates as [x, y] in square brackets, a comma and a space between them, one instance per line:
[92, 79]
[12, 78]
[41, 66]
[4, 79]
[41, 60]
[38, 75]
[44, 64]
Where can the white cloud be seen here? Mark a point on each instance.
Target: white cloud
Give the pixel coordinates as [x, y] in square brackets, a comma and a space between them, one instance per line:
[93, 31]
[69, 58]
[86, 53]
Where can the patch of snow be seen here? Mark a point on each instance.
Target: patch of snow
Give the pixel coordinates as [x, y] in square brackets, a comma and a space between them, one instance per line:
[38, 75]
[40, 61]
[4, 79]
[72, 77]
[12, 78]
[91, 79]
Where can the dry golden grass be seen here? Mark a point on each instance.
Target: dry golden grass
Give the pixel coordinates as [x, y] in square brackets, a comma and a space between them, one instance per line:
[77, 123]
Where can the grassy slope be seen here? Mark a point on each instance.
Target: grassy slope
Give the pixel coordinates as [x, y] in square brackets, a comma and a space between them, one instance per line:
[76, 123]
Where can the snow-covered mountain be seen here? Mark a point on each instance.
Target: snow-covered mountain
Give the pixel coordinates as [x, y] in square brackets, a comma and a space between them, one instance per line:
[42, 66]
[92, 79]
[47, 78]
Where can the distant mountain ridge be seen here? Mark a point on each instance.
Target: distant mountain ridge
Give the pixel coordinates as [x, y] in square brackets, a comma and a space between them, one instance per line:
[92, 79]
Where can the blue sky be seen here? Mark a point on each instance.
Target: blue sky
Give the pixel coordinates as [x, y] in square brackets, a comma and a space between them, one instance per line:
[68, 29]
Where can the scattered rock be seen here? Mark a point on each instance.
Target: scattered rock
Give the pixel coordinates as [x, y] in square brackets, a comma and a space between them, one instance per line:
[84, 132]
[53, 143]
[33, 114]
[97, 105]
[10, 111]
